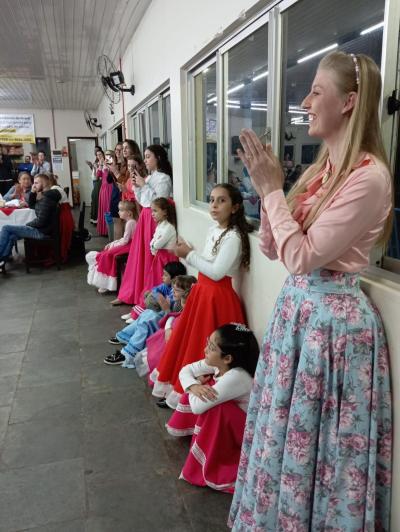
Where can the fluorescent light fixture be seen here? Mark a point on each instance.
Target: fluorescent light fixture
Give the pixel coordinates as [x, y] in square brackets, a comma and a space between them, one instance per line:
[206, 70]
[372, 28]
[234, 89]
[259, 76]
[298, 112]
[211, 100]
[318, 52]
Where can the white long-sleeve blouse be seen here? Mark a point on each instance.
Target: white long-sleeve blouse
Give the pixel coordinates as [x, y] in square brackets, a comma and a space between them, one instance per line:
[164, 237]
[227, 260]
[157, 185]
[235, 384]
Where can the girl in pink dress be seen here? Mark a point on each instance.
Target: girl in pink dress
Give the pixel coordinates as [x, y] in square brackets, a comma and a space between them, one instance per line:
[102, 265]
[213, 407]
[106, 189]
[158, 184]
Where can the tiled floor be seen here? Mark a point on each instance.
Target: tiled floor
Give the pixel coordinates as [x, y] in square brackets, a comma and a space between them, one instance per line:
[83, 447]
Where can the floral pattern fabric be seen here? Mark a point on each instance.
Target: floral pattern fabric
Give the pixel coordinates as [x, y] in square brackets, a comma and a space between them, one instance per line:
[316, 453]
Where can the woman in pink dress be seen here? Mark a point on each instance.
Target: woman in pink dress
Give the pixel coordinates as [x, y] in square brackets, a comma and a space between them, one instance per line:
[103, 173]
[158, 184]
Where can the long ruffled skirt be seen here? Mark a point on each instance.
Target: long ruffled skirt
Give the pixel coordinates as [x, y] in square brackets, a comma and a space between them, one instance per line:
[210, 304]
[215, 448]
[139, 261]
[317, 447]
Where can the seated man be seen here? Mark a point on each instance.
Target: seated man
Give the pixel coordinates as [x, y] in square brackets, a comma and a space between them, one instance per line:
[45, 202]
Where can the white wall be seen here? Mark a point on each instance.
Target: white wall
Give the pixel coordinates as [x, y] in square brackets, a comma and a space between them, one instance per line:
[67, 123]
[170, 34]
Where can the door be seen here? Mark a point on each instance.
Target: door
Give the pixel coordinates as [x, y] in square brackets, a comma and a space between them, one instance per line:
[81, 150]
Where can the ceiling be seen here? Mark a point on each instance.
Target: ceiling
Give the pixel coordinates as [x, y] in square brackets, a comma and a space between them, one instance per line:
[49, 49]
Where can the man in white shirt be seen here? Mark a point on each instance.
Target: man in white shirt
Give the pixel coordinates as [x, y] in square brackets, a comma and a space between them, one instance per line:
[41, 166]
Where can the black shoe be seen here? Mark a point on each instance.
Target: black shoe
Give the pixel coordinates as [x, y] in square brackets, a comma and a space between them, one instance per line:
[116, 359]
[162, 403]
[114, 340]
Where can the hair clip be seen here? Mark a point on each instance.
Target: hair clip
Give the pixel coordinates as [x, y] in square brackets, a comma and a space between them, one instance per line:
[240, 327]
[357, 68]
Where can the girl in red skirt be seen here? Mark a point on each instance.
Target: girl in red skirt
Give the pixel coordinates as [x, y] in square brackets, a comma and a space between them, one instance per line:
[102, 265]
[212, 302]
[214, 406]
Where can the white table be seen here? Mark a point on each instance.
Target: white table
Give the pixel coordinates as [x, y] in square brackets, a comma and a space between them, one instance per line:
[17, 217]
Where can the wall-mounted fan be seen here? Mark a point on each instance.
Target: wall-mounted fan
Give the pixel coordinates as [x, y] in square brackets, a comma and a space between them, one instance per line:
[104, 67]
[91, 122]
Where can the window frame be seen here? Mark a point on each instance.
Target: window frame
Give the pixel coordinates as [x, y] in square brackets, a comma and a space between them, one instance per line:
[272, 15]
[140, 115]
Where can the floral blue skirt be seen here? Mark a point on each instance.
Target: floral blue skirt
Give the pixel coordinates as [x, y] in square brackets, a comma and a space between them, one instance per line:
[317, 448]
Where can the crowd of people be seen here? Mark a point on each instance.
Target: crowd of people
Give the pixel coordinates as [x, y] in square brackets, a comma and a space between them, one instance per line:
[37, 189]
[300, 431]
[301, 434]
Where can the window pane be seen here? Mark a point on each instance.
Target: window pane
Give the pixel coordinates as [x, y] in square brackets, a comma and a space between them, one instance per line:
[245, 101]
[205, 133]
[338, 23]
[154, 124]
[167, 125]
[136, 132]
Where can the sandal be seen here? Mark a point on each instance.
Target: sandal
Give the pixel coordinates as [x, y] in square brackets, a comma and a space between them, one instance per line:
[116, 302]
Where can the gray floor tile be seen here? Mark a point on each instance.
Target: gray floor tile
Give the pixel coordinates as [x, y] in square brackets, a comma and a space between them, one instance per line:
[143, 503]
[10, 364]
[103, 378]
[41, 442]
[118, 453]
[55, 370]
[50, 401]
[115, 408]
[218, 505]
[63, 341]
[35, 496]
[13, 342]
[8, 386]
[70, 526]
[4, 417]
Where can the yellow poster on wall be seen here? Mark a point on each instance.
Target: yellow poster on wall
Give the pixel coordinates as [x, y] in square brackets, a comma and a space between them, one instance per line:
[16, 129]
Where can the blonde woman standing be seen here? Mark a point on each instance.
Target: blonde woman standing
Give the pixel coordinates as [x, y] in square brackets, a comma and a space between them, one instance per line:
[316, 454]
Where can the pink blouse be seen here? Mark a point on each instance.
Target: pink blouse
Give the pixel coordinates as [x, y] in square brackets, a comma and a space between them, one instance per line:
[343, 234]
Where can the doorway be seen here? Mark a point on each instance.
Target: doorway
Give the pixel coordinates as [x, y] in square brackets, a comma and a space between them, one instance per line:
[81, 153]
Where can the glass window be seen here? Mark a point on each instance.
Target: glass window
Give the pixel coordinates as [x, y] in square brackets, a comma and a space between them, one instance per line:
[143, 131]
[136, 131]
[154, 124]
[303, 48]
[245, 106]
[167, 136]
[205, 131]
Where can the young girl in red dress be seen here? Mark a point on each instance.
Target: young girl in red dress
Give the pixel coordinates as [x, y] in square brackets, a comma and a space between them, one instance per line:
[102, 265]
[214, 405]
[212, 302]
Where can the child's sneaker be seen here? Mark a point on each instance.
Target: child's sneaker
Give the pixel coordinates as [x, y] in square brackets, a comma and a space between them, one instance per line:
[116, 359]
[129, 320]
[126, 316]
[114, 341]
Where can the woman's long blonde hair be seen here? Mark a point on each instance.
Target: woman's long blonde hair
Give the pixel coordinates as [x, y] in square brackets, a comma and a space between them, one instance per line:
[363, 133]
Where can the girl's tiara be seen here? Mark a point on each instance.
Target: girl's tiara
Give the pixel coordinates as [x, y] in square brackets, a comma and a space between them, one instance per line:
[240, 327]
[357, 68]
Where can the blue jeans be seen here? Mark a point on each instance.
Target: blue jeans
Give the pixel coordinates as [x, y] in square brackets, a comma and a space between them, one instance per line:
[9, 234]
[135, 334]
